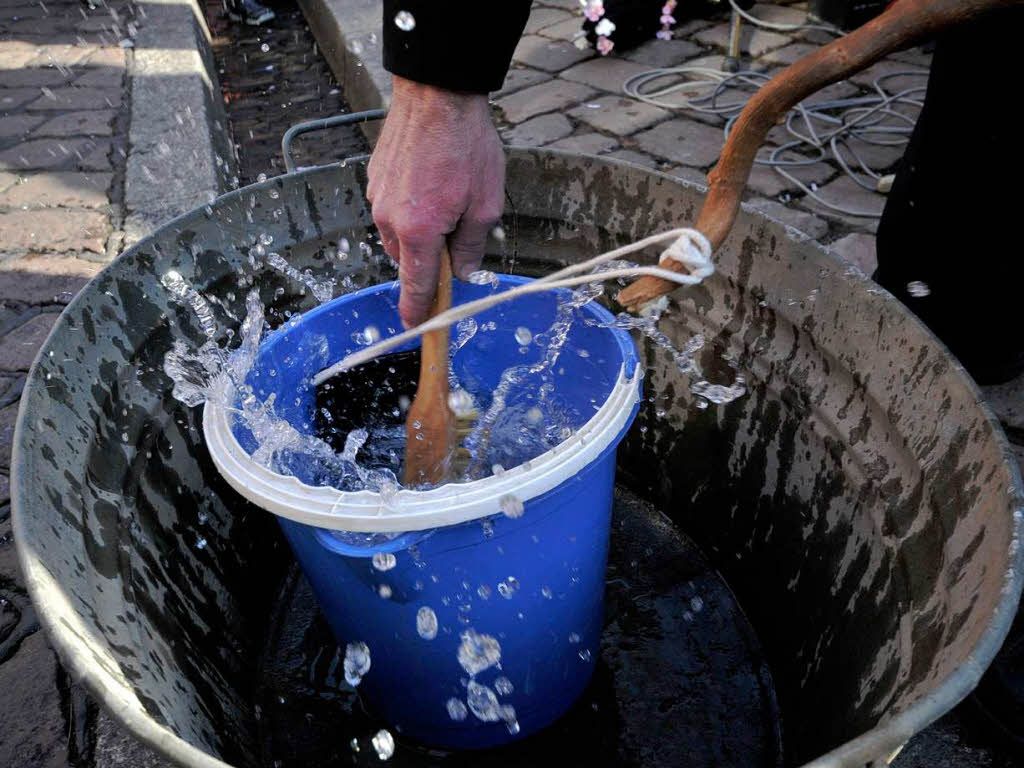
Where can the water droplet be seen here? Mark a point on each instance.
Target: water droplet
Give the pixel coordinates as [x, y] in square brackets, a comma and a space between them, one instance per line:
[585, 654]
[503, 686]
[918, 290]
[405, 21]
[201, 543]
[384, 561]
[484, 591]
[384, 744]
[265, 47]
[357, 662]
[384, 591]
[574, 638]
[426, 623]
[545, 592]
[697, 604]
[511, 506]
[523, 336]
[498, 233]
[483, 702]
[261, 177]
[456, 710]
[478, 652]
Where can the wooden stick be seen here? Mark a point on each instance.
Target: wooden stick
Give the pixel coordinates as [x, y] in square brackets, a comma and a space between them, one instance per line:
[903, 23]
[430, 424]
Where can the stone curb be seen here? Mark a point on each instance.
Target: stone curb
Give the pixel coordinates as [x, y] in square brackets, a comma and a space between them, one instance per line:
[349, 35]
[179, 150]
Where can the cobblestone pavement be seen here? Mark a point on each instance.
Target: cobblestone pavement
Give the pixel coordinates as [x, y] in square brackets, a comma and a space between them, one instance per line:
[559, 96]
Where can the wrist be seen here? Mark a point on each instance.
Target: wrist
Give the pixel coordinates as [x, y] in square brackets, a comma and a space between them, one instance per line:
[408, 94]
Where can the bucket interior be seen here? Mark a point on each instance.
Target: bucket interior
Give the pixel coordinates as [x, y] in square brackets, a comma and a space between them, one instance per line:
[584, 368]
[859, 505]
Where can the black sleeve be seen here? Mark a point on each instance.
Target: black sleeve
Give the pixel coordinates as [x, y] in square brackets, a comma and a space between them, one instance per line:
[460, 45]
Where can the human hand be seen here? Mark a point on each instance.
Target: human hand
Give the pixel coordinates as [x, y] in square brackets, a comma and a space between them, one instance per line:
[438, 170]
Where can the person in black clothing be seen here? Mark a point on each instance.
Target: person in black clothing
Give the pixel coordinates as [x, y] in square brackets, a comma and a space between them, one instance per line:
[438, 168]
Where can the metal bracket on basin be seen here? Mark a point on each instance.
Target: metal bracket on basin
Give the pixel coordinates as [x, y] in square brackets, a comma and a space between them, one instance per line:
[325, 122]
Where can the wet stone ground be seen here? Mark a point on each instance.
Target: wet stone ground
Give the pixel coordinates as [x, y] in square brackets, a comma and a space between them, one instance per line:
[273, 77]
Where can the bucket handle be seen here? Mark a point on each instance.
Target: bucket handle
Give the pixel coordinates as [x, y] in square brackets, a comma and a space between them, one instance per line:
[324, 122]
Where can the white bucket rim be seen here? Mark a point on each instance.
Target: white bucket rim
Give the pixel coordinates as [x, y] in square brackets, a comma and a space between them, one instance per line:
[450, 504]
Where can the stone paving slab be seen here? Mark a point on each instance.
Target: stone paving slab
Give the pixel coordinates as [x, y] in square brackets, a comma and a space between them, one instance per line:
[53, 230]
[520, 77]
[544, 97]
[41, 279]
[619, 115]
[754, 41]
[538, 130]
[586, 143]
[682, 141]
[18, 348]
[802, 221]
[98, 122]
[858, 249]
[59, 189]
[550, 55]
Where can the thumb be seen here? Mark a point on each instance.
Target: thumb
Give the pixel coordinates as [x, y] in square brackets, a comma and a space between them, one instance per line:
[467, 245]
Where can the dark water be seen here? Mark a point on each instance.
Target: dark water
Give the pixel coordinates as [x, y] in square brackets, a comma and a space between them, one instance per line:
[681, 679]
[370, 397]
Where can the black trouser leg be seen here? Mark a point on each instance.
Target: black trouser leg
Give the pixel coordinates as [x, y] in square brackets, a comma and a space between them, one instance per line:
[953, 217]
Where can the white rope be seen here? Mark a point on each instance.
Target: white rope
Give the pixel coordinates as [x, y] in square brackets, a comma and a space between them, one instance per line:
[689, 247]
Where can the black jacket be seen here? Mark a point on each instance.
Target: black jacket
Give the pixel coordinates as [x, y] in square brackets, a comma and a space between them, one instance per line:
[460, 45]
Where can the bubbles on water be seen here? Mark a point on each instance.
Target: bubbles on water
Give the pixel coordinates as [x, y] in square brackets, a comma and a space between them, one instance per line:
[523, 336]
[478, 652]
[384, 744]
[918, 289]
[384, 561]
[511, 506]
[405, 21]
[456, 709]
[357, 662]
[503, 686]
[426, 623]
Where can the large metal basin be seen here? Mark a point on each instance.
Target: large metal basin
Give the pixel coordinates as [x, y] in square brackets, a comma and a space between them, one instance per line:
[861, 500]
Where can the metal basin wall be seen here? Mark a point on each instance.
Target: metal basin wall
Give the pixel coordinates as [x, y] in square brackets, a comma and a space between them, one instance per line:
[860, 499]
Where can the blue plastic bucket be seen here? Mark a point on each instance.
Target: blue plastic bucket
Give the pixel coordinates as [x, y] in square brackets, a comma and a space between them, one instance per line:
[530, 586]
